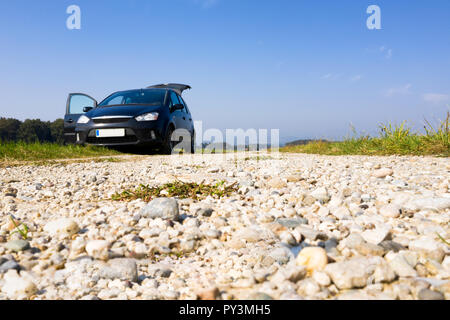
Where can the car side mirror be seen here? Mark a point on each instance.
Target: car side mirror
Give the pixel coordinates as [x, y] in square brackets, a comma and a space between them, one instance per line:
[177, 107]
[87, 109]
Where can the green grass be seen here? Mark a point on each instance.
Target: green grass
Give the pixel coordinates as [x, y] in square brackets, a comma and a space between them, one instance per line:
[392, 140]
[21, 228]
[177, 189]
[20, 151]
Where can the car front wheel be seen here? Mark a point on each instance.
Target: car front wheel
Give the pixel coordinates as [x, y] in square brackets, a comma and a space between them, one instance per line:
[168, 144]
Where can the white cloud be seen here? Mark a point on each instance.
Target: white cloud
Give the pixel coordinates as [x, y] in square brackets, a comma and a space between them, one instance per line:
[403, 90]
[330, 76]
[436, 97]
[356, 78]
[387, 52]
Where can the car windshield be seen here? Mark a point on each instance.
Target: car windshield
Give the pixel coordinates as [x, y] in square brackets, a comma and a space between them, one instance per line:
[135, 97]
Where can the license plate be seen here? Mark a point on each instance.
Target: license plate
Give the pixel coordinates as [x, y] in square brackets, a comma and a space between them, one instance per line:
[108, 133]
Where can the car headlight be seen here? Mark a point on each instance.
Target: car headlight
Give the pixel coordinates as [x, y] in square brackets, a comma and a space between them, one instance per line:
[83, 119]
[152, 116]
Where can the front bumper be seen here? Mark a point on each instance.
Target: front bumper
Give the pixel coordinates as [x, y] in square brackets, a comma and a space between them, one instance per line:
[136, 133]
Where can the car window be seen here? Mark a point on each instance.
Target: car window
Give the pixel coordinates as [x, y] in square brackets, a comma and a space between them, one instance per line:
[116, 101]
[174, 99]
[78, 102]
[186, 110]
[135, 97]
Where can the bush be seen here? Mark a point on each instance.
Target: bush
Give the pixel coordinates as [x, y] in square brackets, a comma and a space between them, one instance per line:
[12, 130]
[9, 129]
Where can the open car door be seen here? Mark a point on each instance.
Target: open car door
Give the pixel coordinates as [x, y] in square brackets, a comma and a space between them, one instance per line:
[76, 102]
[179, 88]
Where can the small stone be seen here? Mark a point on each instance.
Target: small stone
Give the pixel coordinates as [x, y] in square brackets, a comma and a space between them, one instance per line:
[352, 241]
[10, 192]
[78, 246]
[313, 258]
[347, 192]
[323, 211]
[369, 249]
[260, 296]
[18, 288]
[163, 272]
[278, 255]
[292, 273]
[376, 235]
[427, 294]
[435, 204]
[309, 200]
[429, 247]
[164, 208]
[248, 234]
[390, 211]
[295, 178]
[288, 238]
[308, 287]
[321, 278]
[205, 212]
[236, 243]
[187, 246]
[9, 265]
[209, 294]
[276, 183]
[63, 227]
[98, 249]
[401, 267]
[321, 194]
[17, 245]
[213, 234]
[382, 173]
[291, 223]
[389, 245]
[120, 268]
[354, 273]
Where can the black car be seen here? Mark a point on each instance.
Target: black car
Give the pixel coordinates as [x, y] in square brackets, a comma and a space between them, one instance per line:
[147, 116]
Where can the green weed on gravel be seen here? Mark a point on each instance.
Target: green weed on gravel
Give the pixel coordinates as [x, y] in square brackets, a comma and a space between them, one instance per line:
[178, 189]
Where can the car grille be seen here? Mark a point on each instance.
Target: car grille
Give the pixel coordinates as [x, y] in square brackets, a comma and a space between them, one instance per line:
[110, 120]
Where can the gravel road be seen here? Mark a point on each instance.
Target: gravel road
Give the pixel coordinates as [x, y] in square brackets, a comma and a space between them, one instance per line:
[300, 227]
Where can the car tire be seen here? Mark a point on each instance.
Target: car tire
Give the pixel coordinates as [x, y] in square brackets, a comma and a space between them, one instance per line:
[168, 144]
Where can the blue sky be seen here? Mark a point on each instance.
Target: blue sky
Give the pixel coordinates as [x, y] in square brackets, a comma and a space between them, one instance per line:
[309, 68]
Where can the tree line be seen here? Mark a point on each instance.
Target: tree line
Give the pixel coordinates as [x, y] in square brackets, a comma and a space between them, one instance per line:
[35, 130]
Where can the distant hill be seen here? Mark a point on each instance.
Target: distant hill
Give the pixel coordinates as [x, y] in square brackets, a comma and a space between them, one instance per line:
[303, 142]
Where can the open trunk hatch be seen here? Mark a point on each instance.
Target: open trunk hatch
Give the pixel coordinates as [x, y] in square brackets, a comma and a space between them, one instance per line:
[179, 88]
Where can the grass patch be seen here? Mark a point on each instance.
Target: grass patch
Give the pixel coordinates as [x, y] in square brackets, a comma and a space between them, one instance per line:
[258, 158]
[20, 151]
[442, 239]
[21, 228]
[392, 140]
[176, 189]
